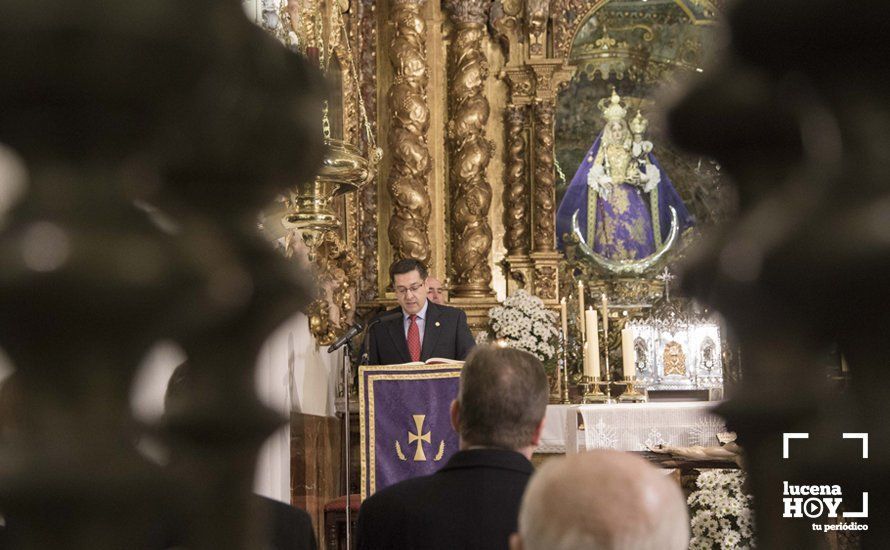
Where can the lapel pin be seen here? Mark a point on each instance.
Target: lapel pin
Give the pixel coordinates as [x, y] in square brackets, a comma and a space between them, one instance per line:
[437, 323]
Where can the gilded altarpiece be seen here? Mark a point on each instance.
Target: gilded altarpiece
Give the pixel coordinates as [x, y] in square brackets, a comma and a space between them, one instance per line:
[482, 110]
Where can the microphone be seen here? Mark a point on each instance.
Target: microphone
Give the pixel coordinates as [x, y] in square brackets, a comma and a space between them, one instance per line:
[350, 334]
[357, 328]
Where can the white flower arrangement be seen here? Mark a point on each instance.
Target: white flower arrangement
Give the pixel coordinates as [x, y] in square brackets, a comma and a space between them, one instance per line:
[721, 512]
[523, 322]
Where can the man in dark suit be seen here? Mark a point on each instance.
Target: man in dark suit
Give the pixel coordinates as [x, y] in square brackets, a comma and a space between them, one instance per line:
[473, 501]
[423, 330]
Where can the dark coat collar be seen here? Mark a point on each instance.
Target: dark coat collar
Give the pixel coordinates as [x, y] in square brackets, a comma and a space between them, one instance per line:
[396, 329]
[489, 458]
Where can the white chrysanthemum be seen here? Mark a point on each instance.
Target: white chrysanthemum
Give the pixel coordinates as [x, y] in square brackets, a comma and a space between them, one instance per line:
[721, 513]
[523, 322]
[731, 539]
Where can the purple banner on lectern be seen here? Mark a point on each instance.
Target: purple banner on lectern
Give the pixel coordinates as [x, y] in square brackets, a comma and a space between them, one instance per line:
[405, 421]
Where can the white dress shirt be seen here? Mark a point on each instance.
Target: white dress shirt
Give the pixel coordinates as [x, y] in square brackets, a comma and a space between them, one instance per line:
[421, 321]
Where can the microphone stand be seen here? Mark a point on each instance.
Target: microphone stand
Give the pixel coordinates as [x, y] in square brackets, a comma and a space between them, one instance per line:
[347, 378]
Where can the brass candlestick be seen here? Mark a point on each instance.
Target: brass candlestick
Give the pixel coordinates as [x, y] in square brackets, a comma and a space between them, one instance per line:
[608, 379]
[631, 395]
[564, 363]
[592, 393]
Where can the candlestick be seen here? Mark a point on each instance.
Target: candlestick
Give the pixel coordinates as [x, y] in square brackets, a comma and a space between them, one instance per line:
[564, 364]
[592, 345]
[605, 313]
[585, 359]
[631, 394]
[581, 308]
[628, 355]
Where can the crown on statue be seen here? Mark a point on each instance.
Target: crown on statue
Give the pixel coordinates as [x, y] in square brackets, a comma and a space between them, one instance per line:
[639, 124]
[612, 108]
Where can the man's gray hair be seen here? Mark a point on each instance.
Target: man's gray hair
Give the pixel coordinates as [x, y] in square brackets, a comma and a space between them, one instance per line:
[603, 500]
[503, 397]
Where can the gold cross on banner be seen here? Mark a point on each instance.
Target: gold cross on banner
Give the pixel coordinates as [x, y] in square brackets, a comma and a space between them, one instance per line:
[419, 437]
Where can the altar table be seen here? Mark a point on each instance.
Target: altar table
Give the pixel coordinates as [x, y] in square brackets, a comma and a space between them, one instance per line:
[629, 426]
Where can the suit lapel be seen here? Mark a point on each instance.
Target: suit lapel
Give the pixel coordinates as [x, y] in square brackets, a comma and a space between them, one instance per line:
[396, 330]
[430, 331]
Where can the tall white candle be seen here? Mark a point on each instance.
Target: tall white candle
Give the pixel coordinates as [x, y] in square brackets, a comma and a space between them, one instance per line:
[593, 346]
[627, 353]
[563, 316]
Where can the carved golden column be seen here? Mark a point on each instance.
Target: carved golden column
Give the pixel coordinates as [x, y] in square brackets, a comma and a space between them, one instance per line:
[510, 30]
[544, 257]
[517, 264]
[549, 75]
[545, 179]
[408, 147]
[517, 209]
[470, 151]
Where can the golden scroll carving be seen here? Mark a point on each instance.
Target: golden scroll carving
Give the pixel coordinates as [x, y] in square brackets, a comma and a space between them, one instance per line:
[545, 179]
[408, 135]
[470, 151]
[516, 192]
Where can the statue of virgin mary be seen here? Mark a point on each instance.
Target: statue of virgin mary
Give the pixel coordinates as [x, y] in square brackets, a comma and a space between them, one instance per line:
[621, 194]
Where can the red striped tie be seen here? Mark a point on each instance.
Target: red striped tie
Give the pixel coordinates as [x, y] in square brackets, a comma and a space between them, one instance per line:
[413, 338]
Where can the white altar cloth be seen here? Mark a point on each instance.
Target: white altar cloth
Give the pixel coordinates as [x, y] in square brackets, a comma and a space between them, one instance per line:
[638, 426]
[629, 426]
[553, 436]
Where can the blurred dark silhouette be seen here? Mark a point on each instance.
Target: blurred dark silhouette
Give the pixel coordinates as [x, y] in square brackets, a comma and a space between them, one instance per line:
[188, 111]
[798, 111]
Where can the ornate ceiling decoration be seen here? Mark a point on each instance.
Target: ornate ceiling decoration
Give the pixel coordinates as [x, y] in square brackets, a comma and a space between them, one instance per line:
[572, 15]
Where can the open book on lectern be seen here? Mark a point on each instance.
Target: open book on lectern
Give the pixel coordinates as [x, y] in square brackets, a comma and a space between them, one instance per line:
[434, 361]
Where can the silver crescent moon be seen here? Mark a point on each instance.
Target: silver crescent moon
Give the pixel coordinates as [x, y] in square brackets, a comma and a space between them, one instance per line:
[628, 267]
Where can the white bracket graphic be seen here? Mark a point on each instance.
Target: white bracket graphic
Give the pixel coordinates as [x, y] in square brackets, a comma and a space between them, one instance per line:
[864, 512]
[791, 435]
[864, 438]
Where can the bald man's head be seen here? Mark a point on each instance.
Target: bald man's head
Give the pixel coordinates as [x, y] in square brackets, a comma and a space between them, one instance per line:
[602, 500]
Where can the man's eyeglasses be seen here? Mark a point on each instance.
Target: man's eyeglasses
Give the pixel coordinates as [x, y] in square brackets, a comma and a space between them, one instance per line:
[402, 291]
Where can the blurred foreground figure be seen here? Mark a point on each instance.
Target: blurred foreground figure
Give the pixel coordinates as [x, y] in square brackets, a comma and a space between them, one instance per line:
[798, 111]
[602, 500]
[152, 133]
